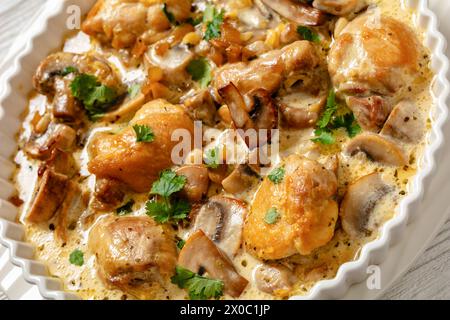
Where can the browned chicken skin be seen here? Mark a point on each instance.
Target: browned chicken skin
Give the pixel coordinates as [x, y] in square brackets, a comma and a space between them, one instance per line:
[134, 254]
[374, 57]
[307, 211]
[136, 164]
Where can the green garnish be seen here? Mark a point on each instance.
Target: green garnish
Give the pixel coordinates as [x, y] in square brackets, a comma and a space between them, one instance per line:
[77, 258]
[329, 122]
[127, 208]
[277, 175]
[307, 34]
[198, 287]
[213, 20]
[134, 90]
[143, 133]
[170, 16]
[200, 70]
[180, 244]
[96, 97]
[271, 216]
[68, 70]
[212, 158]
[165, 209]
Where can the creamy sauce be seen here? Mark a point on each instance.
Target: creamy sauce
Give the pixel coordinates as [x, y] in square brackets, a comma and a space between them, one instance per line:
[322, 264]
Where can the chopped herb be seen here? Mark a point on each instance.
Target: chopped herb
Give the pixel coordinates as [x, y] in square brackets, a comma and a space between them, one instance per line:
[330, 110]
[194, 21]
[271, 216]
[125, 209]
[212, 158]
[143, 133]
[165, 209]
[77, 258]
[96, 97]
[324, 136]
[180, 244]
[307, 34]
[68, 70]
[134, 90]
[169, 15]
[348, 122]
[277, 175]
[198, 287]
[213, 20]
[200, 70]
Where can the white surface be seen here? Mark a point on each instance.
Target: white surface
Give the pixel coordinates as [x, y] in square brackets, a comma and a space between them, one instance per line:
[429, 278]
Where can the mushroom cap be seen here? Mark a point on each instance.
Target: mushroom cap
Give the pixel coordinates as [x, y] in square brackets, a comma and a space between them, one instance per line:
[339, 7]
[378, 148]
[274, 279]
[359, 202]
[297, 12]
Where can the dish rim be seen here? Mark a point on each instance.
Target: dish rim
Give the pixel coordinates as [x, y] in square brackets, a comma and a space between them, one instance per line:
[349, 273]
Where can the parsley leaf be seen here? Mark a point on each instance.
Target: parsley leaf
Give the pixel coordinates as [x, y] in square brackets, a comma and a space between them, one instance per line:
[277, 175]
[330, 110]
[212, 158]
[96, 97]
[324, 136]
[165, 210]
[213, 20]
[143, 133]
[348, 122]
[200, 70]
[180, 244]
[68, 70]
[125, 209]
[170, 16]
[272, 216]
[199, 288]
[169, 183]
[77, 258]
[307, 34]
[134, 90]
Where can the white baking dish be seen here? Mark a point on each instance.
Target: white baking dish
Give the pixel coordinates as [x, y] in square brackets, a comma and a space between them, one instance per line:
[47, 34]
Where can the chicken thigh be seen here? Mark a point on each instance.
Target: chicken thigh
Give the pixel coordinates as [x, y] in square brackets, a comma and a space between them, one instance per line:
[137, 164]
[134, 254]
[375, 58]
[306, 212]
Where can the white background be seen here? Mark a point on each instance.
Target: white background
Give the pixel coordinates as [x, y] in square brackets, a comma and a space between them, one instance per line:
[428, 278]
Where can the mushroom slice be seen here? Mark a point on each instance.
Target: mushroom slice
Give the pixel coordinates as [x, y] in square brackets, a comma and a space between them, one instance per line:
[301, 110]
[49, 197]
[339, 7]
[371, 112]
[200, 252]
[197, 181]
[57, 136]
[378, 148]
[360, 201]
[404, 123]
[126, 111]
[200, 106]
[221, 219]
[60, 162]
[274, 279]
[264, 114]
[297, 12]
[236, 103]
[241, 179]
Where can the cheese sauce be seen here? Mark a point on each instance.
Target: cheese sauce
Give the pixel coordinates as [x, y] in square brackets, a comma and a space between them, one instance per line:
[322, 264]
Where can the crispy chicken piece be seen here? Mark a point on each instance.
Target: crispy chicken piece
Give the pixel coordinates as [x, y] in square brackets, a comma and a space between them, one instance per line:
[134, 254]
[270, 70]
[122, 22]
[307, 212]
[374, 57]
[137, 164]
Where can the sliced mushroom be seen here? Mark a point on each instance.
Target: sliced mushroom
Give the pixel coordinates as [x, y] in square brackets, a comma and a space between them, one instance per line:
[126, 111]
[49, 197]
[108, 194]
[65, 106]
[301, 110]
[57, 136]
[359, 203]
[405, 123]
[218, 174]
[274, 279]
[236, 104]
[339, 7]
[371, 112]
[240, 180]
[200, 106]
[197, 181]
[221, 219]
[377, 148]
[297, 12]
[200, 252]
[70, 211]
[60, 162]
